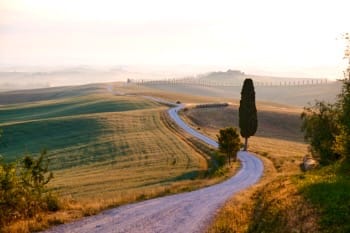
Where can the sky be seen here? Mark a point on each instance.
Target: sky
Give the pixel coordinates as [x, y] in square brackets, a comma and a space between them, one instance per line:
[289, 37]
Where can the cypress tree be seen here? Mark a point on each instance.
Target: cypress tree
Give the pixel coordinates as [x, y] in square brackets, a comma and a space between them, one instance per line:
[248, 120]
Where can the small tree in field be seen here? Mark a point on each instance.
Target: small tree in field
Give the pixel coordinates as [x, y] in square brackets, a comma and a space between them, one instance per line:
[229, 142]
[248, 119]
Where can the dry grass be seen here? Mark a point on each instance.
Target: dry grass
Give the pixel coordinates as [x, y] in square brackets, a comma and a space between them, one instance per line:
[235, 215]
[138, 154]
[106, 151]
[279, 207]
[278, 136]
[153, 157]
[27, 96]
[272, 205]
[171, 96]
[275, 204]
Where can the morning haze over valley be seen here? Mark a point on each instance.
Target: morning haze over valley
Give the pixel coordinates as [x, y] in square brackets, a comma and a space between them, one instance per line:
[174, 116]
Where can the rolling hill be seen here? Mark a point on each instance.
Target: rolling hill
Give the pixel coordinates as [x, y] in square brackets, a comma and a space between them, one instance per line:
[90, 133]
[288, 91]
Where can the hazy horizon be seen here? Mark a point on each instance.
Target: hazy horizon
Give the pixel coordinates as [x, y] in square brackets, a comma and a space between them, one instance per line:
[289, 38]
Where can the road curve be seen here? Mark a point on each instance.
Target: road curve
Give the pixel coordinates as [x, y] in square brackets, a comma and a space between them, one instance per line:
[187, 212]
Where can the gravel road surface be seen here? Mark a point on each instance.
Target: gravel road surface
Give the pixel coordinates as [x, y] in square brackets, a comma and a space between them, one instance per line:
[180, 213]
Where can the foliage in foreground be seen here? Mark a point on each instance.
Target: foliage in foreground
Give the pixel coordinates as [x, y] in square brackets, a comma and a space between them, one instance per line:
[326, 127]
[328, 190]
[273, 207]
[319, 129]
[23, 191]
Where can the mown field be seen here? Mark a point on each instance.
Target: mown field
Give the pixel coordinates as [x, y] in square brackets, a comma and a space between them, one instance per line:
[275, 204]
[53, 93]
[109, 149]
[75, 125]
[286, 199]
[278, 136]
[104, 149]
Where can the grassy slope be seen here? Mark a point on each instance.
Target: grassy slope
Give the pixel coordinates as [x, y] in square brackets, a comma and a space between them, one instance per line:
[62, 126]
[136, 151]
[105, 150]
[282, 146]
[275, 204]
[285, 200]
[329, 190]
[278, 136]
[26, 96]
[100, 145]
[69, 107]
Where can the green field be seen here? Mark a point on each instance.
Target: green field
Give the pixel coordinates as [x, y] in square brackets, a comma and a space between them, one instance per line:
[68, 125]
[278, 136]
[106, 150]
[54, 93]
[100, 146]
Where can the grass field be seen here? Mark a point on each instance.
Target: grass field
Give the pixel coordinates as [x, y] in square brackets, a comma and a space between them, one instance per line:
[328, 190]
[69, 125]
[54, 93]
[93, 135]
[105, 149]
[275, 203]
[108, 150]
[285, 200]
[135, 150]
[278, 136]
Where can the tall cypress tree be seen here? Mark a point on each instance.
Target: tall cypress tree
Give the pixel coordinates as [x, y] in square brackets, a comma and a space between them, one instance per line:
[248, 120]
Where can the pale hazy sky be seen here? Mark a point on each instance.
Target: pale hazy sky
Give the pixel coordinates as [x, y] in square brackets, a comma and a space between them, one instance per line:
[296, 37]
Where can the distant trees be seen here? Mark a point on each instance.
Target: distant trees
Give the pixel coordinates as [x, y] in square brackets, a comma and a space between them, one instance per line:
[229, 142]
[248, 120]
[327, 127]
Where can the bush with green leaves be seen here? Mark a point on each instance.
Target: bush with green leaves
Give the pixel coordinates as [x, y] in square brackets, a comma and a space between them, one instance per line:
[327, 127]
[229, 142]
[23, 192]
[320, 130]
[342, 140]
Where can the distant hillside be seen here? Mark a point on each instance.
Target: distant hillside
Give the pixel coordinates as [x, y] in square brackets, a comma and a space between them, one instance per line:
[236, 77]
[24, 96]
[21, 80]
[41, 77]
[296, 95]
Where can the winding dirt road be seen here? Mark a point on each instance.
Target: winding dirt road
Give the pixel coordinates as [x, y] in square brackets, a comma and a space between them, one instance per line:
[186, 212]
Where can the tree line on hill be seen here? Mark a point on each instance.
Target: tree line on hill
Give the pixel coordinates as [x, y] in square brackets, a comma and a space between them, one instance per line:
[230, 83]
